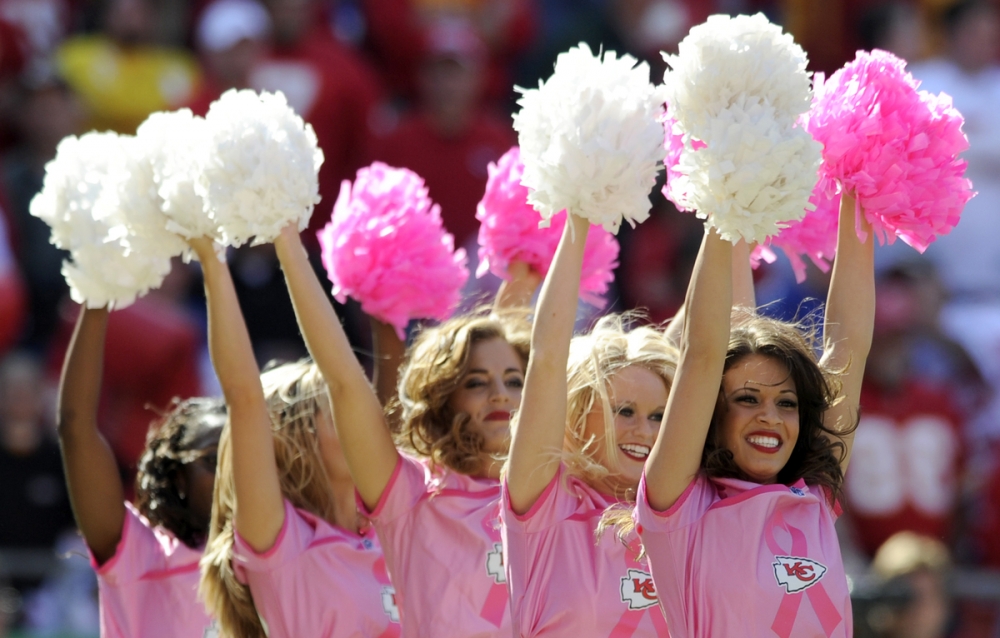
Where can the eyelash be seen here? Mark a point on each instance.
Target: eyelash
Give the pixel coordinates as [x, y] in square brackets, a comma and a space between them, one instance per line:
[752, 400]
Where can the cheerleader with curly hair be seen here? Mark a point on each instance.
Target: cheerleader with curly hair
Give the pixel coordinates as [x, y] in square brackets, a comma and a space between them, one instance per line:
[288, 554]
[145, 555]
[434, 499]
[737, 504]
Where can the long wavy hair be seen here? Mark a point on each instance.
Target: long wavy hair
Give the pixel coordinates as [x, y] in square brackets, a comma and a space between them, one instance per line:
[819, 449]
[187, 433]
[435, 365]
[611, 346]
[295, 394]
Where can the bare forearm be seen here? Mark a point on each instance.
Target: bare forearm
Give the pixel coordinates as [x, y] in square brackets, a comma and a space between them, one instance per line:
[364, 434]
[260, 512]
[850, 307]
[389, 352]
[92, 478]
[519, 290]
[538, 431]
[743, 291]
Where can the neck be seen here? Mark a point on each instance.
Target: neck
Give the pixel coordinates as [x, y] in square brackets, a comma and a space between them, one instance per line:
[345, 508]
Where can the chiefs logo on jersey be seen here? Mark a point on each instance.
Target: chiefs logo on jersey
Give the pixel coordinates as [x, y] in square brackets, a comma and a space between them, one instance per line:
[796, 574]
[494, 564]
[638, 590]
[389, 603]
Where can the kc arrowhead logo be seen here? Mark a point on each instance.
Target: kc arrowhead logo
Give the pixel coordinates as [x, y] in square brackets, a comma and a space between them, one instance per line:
[389, 603]
[796, 574]
[638, 590]
[494, 564]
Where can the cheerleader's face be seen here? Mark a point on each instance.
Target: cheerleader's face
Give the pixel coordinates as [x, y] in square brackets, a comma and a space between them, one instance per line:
[638, 398]
[760, 421]
[490, 391]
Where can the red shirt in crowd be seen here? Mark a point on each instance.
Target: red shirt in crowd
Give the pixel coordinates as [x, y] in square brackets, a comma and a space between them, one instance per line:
[454, 168]
[906, 464]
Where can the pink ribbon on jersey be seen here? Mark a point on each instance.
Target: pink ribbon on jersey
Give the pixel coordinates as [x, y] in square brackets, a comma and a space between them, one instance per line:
[825, 610]
[382, 576]
[629, 622]
[495, 607]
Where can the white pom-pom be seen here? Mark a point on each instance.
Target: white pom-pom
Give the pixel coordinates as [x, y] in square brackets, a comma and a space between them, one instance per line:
[99, 200]
[262, 172]
[74, 180]
[590, 139]
[176, 144]
[738, 86]
[724, 60]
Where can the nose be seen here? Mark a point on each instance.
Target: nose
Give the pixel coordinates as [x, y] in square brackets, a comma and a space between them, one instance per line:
[499, 392]
[769, 413]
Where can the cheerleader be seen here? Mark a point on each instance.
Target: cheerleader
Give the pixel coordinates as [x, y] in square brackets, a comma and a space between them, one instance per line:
[145, 555]
[737, 505]
[434, 504]
[288, 555]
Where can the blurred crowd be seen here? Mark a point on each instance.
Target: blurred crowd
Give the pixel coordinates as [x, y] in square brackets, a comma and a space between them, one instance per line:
[428, 85]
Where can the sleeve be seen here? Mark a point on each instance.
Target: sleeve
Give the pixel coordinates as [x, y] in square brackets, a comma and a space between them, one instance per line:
[408, 484]
[689, 508]
[292, 541]
[552, 507]
[138, 553]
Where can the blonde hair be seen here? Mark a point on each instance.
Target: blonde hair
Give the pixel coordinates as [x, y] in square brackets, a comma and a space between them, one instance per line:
[434, 367]
[593, 359]
[295, 395]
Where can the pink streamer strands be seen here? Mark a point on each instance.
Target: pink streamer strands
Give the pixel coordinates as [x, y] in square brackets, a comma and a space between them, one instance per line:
[509, 231]
[385, 247]
[892, 145]
[815, 237]
[673, 142]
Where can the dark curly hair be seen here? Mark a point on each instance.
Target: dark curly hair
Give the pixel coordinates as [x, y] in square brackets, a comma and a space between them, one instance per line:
[188, 432]
[435, 364]
[819, 449]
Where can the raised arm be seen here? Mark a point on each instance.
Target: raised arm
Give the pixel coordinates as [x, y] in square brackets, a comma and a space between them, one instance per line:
[541, 422]
[260, 511]
[389, 352]
[849, 319]
[676, 456]
[364, 435]
[95, 487]
[744, 295]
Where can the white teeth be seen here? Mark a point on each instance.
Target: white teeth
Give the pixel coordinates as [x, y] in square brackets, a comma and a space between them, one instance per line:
[764, 441]
[635, 450]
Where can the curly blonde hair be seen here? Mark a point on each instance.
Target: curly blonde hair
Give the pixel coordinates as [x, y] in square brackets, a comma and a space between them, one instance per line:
[611, 346]
[295, 394]
[435, 364]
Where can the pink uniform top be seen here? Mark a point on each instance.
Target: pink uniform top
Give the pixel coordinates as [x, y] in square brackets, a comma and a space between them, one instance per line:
[563, 581]
[149, 588]
[319, 580]
[732, 558]
[441, 535]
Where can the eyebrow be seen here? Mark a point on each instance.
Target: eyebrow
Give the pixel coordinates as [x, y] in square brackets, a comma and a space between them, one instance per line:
[481, 371]
[747, 388]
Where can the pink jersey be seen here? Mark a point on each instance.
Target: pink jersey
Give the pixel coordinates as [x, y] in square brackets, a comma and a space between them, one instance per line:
[733, 558]
[149, 588]
[441, 534]
[319, 580]
[563, 581]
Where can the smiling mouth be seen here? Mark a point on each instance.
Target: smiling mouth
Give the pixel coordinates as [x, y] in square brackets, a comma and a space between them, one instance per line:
[766, 443]
[499, 415]
[635, 451]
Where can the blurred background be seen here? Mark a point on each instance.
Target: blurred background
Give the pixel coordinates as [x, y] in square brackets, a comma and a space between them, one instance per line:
[427, 84]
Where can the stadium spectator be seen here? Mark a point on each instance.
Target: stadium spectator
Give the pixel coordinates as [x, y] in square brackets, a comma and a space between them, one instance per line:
[232, 38]
[920, 566]
[450, 139]
[122, 74]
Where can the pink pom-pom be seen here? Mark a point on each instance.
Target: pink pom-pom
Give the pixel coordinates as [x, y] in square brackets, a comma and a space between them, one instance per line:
[894, 147]
[385, 247]
[673, 142]
[509, 231]
[814, 236]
